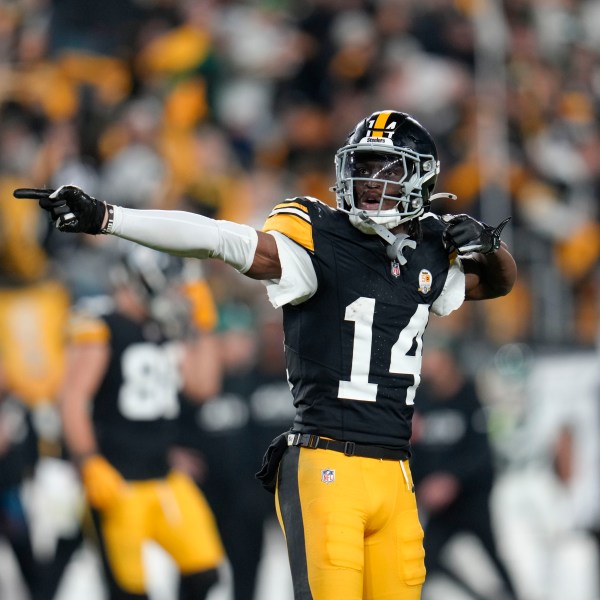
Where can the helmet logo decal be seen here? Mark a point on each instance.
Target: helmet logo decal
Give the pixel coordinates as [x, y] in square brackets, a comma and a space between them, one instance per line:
[379, 127]
[425, 281]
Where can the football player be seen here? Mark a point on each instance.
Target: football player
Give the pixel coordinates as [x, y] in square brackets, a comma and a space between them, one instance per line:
[126, 364]
[357, 284]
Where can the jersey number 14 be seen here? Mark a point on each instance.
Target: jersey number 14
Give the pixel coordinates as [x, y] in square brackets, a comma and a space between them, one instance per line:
[362, 312]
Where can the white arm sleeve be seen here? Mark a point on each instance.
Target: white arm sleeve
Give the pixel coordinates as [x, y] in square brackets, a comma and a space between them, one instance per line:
[453, 294]
[298, 280]
[187, 234]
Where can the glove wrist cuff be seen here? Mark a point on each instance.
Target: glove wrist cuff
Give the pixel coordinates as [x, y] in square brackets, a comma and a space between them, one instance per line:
[493, 244]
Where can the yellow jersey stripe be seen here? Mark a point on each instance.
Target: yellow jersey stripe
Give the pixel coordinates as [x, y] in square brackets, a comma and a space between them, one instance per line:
[290, 210]
[292, 226]
[87, 330]
[291, 205]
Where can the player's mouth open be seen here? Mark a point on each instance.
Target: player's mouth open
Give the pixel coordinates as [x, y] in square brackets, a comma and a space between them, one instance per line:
[371, 202]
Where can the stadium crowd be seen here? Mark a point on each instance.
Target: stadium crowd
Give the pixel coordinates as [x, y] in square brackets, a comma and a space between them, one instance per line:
[225, 107]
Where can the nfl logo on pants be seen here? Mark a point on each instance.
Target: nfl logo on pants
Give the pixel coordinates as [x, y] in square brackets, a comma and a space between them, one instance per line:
[327, 475]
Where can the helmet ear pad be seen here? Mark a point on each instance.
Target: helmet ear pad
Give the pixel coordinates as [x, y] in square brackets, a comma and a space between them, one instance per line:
[427, 191]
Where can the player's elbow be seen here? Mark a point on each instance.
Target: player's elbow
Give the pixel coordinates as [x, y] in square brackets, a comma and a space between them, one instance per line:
[488, 288]
[498, 274]
[500, 289]
[502, 284]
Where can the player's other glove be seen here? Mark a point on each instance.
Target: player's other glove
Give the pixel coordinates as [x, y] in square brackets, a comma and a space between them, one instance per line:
[70, 208]
[465, 234]
[103, 484]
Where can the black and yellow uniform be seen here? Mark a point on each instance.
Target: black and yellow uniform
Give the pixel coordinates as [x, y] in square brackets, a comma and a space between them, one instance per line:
[136, 404]
[353, 353]
[357, 285]
[134, 418]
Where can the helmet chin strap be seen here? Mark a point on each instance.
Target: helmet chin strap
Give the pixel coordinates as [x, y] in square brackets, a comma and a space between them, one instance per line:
[397, 242]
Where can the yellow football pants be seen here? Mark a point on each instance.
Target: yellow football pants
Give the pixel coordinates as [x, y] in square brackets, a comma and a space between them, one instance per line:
[351, 526]
[171, 512]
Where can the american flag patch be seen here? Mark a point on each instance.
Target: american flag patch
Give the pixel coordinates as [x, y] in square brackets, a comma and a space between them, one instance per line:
[327, 475]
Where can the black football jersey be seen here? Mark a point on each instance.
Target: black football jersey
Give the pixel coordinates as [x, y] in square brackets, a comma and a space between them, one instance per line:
[353, 350]
[135, 408]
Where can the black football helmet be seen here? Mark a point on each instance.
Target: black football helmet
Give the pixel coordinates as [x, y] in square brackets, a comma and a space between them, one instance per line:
[157, 279]
[393, 152]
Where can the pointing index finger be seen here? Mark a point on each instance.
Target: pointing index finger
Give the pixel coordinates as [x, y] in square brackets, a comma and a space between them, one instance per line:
[32, 193]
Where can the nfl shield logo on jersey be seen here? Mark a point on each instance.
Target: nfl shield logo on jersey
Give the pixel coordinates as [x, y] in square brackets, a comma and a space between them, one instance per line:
[327, 475]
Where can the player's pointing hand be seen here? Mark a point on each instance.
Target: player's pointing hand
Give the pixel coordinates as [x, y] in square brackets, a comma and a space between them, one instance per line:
[70, 208]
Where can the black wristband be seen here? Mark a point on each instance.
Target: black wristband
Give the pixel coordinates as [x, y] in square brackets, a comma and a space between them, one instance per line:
[110, 211]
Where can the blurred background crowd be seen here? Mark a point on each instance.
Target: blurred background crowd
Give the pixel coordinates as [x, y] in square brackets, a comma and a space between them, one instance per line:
[225, 107]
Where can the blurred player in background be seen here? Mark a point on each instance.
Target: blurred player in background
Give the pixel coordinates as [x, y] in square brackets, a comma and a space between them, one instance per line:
[231, 431]
[18, 457]
[34, 306]
[453, 466]
[126, 365]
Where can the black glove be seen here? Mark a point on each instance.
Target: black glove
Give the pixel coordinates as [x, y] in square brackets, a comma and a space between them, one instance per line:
[70, 208]
[465, 234]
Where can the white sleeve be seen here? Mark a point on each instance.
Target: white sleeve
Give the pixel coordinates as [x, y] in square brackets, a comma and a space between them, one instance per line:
[453, 294]
[187, 234]
[298, 280]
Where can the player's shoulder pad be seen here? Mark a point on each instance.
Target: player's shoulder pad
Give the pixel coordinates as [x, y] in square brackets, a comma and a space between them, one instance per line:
[85, 324]
[292, 218]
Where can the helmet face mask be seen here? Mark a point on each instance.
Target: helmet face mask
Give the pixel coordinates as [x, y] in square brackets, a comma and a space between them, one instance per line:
[387, 170]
